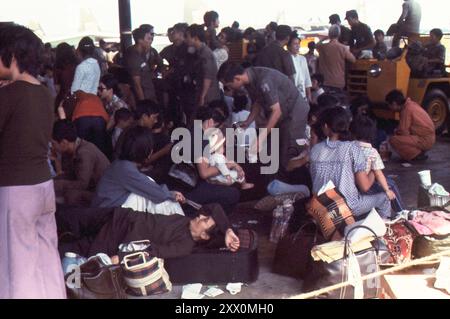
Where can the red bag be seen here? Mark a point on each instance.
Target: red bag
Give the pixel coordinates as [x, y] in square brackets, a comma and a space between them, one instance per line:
[399, 240]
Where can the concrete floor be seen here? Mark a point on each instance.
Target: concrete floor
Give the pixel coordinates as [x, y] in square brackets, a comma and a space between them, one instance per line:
[271, 286]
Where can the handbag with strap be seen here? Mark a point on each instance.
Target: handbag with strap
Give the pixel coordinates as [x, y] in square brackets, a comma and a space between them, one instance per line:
[324, 275]
[293, 254]
[144, 274]
[332, 214]
[185, 173]
[96, 280]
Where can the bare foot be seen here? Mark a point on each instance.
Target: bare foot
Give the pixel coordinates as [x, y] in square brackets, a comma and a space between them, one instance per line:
[246, 186]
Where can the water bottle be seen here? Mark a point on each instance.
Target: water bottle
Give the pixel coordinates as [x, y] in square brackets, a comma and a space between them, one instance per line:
[275, 233]
[288, 210]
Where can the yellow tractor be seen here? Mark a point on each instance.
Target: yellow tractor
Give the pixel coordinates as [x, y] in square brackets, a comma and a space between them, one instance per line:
[377, 78]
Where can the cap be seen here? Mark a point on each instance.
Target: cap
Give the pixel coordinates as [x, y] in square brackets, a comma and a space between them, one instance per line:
[334, 19]
[351, 14]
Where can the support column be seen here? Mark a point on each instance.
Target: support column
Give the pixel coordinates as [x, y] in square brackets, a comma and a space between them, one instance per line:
[126, 38]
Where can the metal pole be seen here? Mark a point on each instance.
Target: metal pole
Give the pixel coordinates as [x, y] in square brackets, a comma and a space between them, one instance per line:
[125, 24]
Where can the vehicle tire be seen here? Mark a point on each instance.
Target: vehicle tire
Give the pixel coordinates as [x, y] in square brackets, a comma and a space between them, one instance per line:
[437, 106]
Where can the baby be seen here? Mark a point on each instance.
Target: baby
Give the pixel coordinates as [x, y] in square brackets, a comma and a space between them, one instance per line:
[229, 175]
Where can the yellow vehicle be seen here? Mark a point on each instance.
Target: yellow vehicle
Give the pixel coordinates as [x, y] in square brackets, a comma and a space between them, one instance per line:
[377, 78]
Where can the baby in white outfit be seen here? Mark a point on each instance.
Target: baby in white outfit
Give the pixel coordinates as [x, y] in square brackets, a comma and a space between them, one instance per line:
[218, 159]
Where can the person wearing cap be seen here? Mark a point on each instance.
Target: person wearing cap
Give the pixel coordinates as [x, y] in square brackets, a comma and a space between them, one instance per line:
[274, 55]
[346, 33]
[277, 96]
[362, 41]
[333, 59]
[97, 231]
[217, 159]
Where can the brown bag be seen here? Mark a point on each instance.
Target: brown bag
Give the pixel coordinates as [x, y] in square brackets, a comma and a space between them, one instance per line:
[332, 214]
[293, 254]
[97, 281]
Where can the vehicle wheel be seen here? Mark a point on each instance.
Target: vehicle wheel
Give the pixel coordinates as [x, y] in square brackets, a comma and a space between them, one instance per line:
[436, 104]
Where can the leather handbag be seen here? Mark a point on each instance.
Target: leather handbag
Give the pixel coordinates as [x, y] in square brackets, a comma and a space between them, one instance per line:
[332, 214]
[96, 281]
[293, 254]
[185, 173]
[324, 275]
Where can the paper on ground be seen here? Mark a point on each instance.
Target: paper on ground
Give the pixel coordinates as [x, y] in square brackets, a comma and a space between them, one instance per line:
[192, 292]
[214, 292]
[234, 288]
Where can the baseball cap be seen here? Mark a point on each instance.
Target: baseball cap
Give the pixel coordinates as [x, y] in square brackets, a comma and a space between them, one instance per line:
[334, 19]
[351, 14]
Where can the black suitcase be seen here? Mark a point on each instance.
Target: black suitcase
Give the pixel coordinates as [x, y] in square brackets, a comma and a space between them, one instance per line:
[218, 266]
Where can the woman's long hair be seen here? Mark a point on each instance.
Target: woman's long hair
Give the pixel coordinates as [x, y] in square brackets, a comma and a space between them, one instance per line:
[338, 121]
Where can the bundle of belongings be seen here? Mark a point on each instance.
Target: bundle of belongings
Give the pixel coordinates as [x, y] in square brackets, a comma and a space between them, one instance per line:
[335, 248]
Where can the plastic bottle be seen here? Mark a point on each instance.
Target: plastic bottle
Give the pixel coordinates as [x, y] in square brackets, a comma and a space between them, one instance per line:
[71, 259]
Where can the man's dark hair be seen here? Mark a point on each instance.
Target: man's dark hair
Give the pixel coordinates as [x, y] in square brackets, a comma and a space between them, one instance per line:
[319, 78]
[363, 128]
[110, 81]
[273, 26]
[64, 130]
[312, 45]
[235, 25]
[146, 107]
[228, 71]
[197, 31]
[210, 17]
[86, 47]
[351, 14]
[240, 102]
[22, 44]
[292, 37]
[395, 96]
[437, 33]
[147, 28]
[139, 34]
[249, 32]
[327, 101]
[137, 145]
[180, 27]
[283, 32]
[122, 115]
[229, 33]
[378, 32]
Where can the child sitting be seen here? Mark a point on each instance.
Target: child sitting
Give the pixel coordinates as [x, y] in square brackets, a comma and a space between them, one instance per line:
[363, 130]
[123, 119]
[217, 159]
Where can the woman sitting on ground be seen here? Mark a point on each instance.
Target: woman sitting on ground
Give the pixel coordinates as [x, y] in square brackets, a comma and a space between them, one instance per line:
[123, 185]
[344, 164]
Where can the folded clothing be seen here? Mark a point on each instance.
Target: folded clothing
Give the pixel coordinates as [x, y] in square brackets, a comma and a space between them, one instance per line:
[431, 223]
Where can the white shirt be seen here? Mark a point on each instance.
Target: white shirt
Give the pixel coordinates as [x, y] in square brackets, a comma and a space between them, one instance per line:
[301, 76]
[87, 77]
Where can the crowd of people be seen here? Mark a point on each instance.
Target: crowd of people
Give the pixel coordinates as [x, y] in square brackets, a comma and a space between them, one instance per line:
[97, 133]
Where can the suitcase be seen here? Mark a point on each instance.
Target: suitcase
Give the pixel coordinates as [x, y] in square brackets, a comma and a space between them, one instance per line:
[218, 266]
